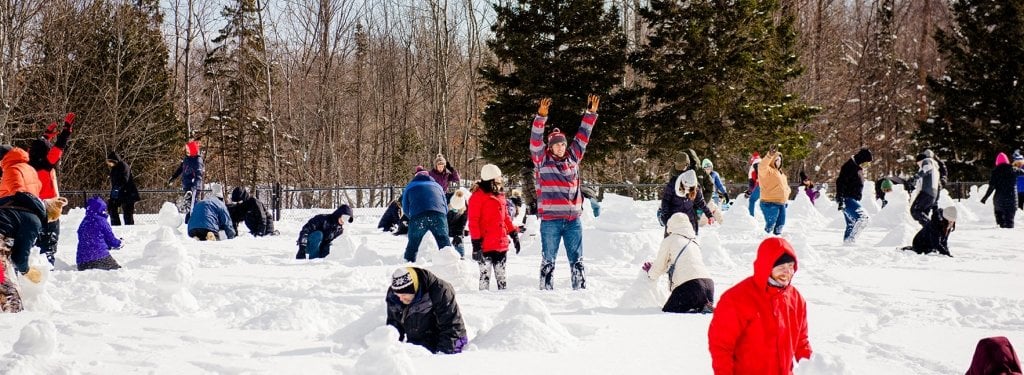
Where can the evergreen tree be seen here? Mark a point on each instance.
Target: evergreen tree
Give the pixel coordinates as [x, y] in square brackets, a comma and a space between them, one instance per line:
[714, 76]
[979, 102]
[237, 73]
[559, 49]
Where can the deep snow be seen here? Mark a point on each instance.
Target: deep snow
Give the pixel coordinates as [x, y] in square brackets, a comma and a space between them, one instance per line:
[245, 306]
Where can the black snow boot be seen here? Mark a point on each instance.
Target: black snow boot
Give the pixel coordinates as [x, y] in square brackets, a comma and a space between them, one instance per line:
[547, 271]
[579, 280]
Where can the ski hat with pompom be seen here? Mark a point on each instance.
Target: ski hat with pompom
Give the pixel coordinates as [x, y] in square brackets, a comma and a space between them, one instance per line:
[556, 136]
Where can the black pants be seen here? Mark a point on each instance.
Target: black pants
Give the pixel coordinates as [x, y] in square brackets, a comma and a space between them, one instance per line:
[921, 209]
[1004, 216]
[201, 233]
[47, 240]
[694, 296]
[129, 212]
[1020, 200]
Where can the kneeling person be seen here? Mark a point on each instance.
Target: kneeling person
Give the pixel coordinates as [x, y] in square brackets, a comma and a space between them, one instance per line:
[688, 279]
[934, 237]
[316, 236]
[209, 216]
[423, 309]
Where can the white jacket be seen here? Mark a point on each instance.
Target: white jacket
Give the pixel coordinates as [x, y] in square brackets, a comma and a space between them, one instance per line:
[691, 263]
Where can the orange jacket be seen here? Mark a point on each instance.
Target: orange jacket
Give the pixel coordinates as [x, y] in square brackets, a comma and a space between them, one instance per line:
[18, 175]
[757, 328]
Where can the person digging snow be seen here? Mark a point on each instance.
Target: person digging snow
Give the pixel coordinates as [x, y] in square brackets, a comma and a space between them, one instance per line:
[691, 286]
[317, 234]
[422, 307]
[934, 236]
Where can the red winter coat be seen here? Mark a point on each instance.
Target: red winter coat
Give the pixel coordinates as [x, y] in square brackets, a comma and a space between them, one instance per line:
[759, 329]
[994, 355]
[488, 220]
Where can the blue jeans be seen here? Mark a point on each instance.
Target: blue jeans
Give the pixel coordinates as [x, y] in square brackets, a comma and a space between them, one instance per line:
[754, 196]
[313, 241]
[434, 222]
[568, 231]
[853, 213]
[774, 217]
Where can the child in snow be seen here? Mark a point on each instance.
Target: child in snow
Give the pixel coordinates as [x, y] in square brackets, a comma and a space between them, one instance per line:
[934, 236]
[753, 192]
[688, 279]
[1004, 183]
[994, 355]
[422, 307]
[393, 218]
[96, 239]
[490, 226]
[774, 192]
[316, 236]
[812, 192]
[457, 220]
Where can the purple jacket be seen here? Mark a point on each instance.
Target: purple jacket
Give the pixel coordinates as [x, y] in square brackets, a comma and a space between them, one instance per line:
[95, 238]
[445, 179]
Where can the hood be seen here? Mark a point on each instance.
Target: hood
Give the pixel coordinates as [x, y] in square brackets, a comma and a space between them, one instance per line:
[1002, 159]
[862, 156]
[112, 156]
[343, 210]
[680, 224]
[770, 250]
[239, 194]
[96, 206]
[927, 165]
[15, 156]
[994, 355]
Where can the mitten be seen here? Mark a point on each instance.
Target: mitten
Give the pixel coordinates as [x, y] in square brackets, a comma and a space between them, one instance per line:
[34, 275]
[646, 267]
[69, 120]
[478, 249]
[54, 206]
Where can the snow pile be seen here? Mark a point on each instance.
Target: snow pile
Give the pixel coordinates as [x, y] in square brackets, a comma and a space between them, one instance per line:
[644, 293]
[177, 266]
[526, 325]
[897, 212]
[711, 248]
[625, 218]
[34, 351]
[169, 217]
[36, 297]
[449, 266]
[385, 356]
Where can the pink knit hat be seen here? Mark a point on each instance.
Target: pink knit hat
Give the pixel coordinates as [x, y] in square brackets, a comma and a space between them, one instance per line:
[1002, 159]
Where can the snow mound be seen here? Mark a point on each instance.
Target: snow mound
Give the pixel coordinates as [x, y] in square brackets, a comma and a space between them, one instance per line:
[169, 216]
[711, 248]
[899, 235]
[626, 218]
[385, 355]
[525, 325]
[821, 363]
[449, 266]
[354, 335]
[37, 297]
[616, 246]
[642, 293]
[38, 338]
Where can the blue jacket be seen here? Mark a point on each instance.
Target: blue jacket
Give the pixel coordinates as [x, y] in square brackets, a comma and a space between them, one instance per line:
[422, 194]
[211, 214]
[191, 172]
[95, 238]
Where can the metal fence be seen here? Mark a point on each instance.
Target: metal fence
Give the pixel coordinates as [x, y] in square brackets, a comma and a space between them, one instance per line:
[368, 197]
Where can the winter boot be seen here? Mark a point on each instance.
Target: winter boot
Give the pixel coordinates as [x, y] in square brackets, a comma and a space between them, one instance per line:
[579, 280]
[485, 273]
[858, 227]
[499, 274]
[210, 236]
[547, 271]
[10, 297]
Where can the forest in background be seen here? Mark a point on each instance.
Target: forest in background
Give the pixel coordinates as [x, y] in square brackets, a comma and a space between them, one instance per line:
[321, 93]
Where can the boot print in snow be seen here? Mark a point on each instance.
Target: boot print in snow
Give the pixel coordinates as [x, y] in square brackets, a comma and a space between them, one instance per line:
[547, 271]
[485, 273]
[579, 281]
[499, 274]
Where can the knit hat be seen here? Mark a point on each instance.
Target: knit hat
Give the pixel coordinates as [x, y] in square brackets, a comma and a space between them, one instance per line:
[458, 201]
[403, 281]
[112, 156]
[949, 213]
[1002, 159]
[1017, 156]
[803, 176]
[682, 161]
[689, 178]
[783, 259]
[418, 169]
[886, 184]
[193, 148]
[707, 164]
[489, 172]
[755, 157]
[862, 156]
[51, 131]
[217, 189]
[556, 136]
[4, 149]
[440, 160]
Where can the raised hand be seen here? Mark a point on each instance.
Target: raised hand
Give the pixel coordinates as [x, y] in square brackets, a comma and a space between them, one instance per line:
[592, 103]
[542, 110]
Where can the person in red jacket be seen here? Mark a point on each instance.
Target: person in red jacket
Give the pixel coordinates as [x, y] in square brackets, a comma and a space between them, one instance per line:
[489, 226]
[760, 324]
[44, 157]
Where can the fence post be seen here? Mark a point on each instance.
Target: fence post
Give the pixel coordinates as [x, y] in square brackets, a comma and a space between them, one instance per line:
[275, 200]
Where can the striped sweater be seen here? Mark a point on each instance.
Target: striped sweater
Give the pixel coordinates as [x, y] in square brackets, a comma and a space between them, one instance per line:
[558, 179]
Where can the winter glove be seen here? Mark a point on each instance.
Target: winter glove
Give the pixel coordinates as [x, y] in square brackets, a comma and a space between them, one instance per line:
[34, 275]
[54, 206]
[69, 120]
[840, 201]
[515, 240]
[646, 267]
[456, 241]
[478, 250]
[115, 194]
[448, 167]
[711, 220]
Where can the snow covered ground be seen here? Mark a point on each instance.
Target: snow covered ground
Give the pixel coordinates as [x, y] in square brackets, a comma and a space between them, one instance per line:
[246, 306]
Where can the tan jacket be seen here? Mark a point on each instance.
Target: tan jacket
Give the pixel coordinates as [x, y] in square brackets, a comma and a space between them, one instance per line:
[774, 184]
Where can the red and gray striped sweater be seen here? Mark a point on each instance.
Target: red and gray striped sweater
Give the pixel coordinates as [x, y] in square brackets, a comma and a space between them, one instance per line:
[558, 179]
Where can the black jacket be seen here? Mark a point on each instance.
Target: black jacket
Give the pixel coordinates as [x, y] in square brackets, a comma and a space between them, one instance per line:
[392, 216]
[252, 211]
[326, 224]
[22, 217]
[432, 319]
[672, 203]
[1004, 183]
[934, 236]
[122, 182]
[456, 223]
[850, 183]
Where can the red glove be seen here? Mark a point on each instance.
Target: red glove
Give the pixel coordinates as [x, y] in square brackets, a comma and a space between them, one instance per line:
[69, 119]
[646, 267]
